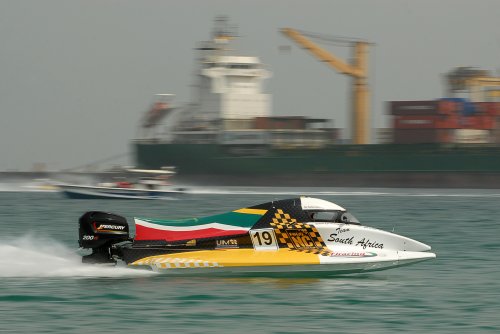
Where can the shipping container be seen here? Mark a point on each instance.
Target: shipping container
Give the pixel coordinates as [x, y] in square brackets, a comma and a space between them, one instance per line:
[448, 106]
[457, 105]
[480, 122]
[445, 106]
[490, 122]
[488, 108]
[238, 124]
[448, 122]
[426, 122]
[415, 122]
[423, 136]
[292, 123]
[403, 108]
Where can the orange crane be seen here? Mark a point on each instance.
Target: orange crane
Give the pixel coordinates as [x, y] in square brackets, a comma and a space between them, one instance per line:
[356, 69]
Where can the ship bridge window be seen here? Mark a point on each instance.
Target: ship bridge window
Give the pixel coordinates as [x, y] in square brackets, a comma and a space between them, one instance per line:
[342, 217]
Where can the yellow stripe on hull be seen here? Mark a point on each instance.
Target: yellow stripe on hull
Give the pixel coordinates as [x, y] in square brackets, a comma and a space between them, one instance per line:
[251, 211]
[229, 258]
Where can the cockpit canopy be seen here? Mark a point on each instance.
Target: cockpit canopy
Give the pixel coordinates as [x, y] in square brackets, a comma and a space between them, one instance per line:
[334, 216]
[319, 210]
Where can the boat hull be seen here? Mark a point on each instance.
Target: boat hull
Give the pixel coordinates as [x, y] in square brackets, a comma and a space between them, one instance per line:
[329, 265]
[89, 192]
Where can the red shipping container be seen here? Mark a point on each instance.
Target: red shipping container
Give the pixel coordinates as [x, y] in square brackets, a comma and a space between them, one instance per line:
[415, 122]
[469, 122]
[488, 122]
[448, 107]
[480, 122]
[448, 121]
[426, 122]
[422, 136]
[262, 123]
[489, 108]
[403, 108]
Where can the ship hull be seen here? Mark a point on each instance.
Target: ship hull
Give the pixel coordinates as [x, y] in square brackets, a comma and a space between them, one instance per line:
[341, 166]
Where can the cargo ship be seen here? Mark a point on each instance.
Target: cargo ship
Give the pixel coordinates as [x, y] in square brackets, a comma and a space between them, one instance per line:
[228, 136]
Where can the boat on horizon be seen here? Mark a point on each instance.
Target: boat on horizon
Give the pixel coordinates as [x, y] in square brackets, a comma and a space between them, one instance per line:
[136, 184]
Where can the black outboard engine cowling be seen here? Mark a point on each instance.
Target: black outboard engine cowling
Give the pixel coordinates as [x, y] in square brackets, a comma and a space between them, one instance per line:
[100, 231]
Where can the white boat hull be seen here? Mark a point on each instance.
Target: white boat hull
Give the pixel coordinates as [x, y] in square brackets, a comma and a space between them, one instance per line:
[94, 192]
[338, 265]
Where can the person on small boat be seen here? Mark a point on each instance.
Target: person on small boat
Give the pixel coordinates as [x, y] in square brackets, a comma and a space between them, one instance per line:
[124, 184]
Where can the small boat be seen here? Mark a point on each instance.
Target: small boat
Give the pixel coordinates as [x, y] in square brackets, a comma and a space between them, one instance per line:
[42, 185]
[138, 184]
[293, 235]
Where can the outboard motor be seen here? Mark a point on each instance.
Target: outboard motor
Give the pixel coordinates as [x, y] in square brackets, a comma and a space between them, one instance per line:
[100, 231]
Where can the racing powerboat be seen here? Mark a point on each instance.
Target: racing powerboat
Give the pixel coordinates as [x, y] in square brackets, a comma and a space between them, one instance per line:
[293, 235]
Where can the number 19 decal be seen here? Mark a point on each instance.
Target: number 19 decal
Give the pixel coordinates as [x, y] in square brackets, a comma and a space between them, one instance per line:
[264, 239]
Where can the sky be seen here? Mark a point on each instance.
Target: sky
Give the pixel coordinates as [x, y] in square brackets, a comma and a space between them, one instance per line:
[77, 75]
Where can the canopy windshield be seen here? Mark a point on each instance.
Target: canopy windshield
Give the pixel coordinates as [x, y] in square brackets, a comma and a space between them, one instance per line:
[342, 217]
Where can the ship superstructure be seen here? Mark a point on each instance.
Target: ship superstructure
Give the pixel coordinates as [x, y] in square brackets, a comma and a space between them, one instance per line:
[229, 106]
[228, 135]
[228, 91]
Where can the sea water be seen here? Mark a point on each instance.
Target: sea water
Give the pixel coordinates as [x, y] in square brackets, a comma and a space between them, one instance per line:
[44, 287]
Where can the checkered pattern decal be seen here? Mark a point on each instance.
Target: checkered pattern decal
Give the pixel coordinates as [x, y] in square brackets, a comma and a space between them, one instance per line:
[297, 236]
[165, 262]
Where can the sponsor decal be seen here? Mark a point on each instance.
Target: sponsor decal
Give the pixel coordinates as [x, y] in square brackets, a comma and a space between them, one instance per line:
[110, 227]
[100, 227]
[340, 230]
[191, 243]
[353, 254]
[335, 238]
[367, 243]
[300, 238]
[345, 241]
[312, 207]
[263, 239]
[88, 237]
[230, 243]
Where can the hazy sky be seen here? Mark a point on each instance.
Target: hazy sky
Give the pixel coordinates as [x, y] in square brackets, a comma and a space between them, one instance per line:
[76, 76]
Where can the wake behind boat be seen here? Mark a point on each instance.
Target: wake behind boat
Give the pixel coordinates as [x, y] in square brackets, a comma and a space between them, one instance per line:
[139, 184]
[294, 235]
